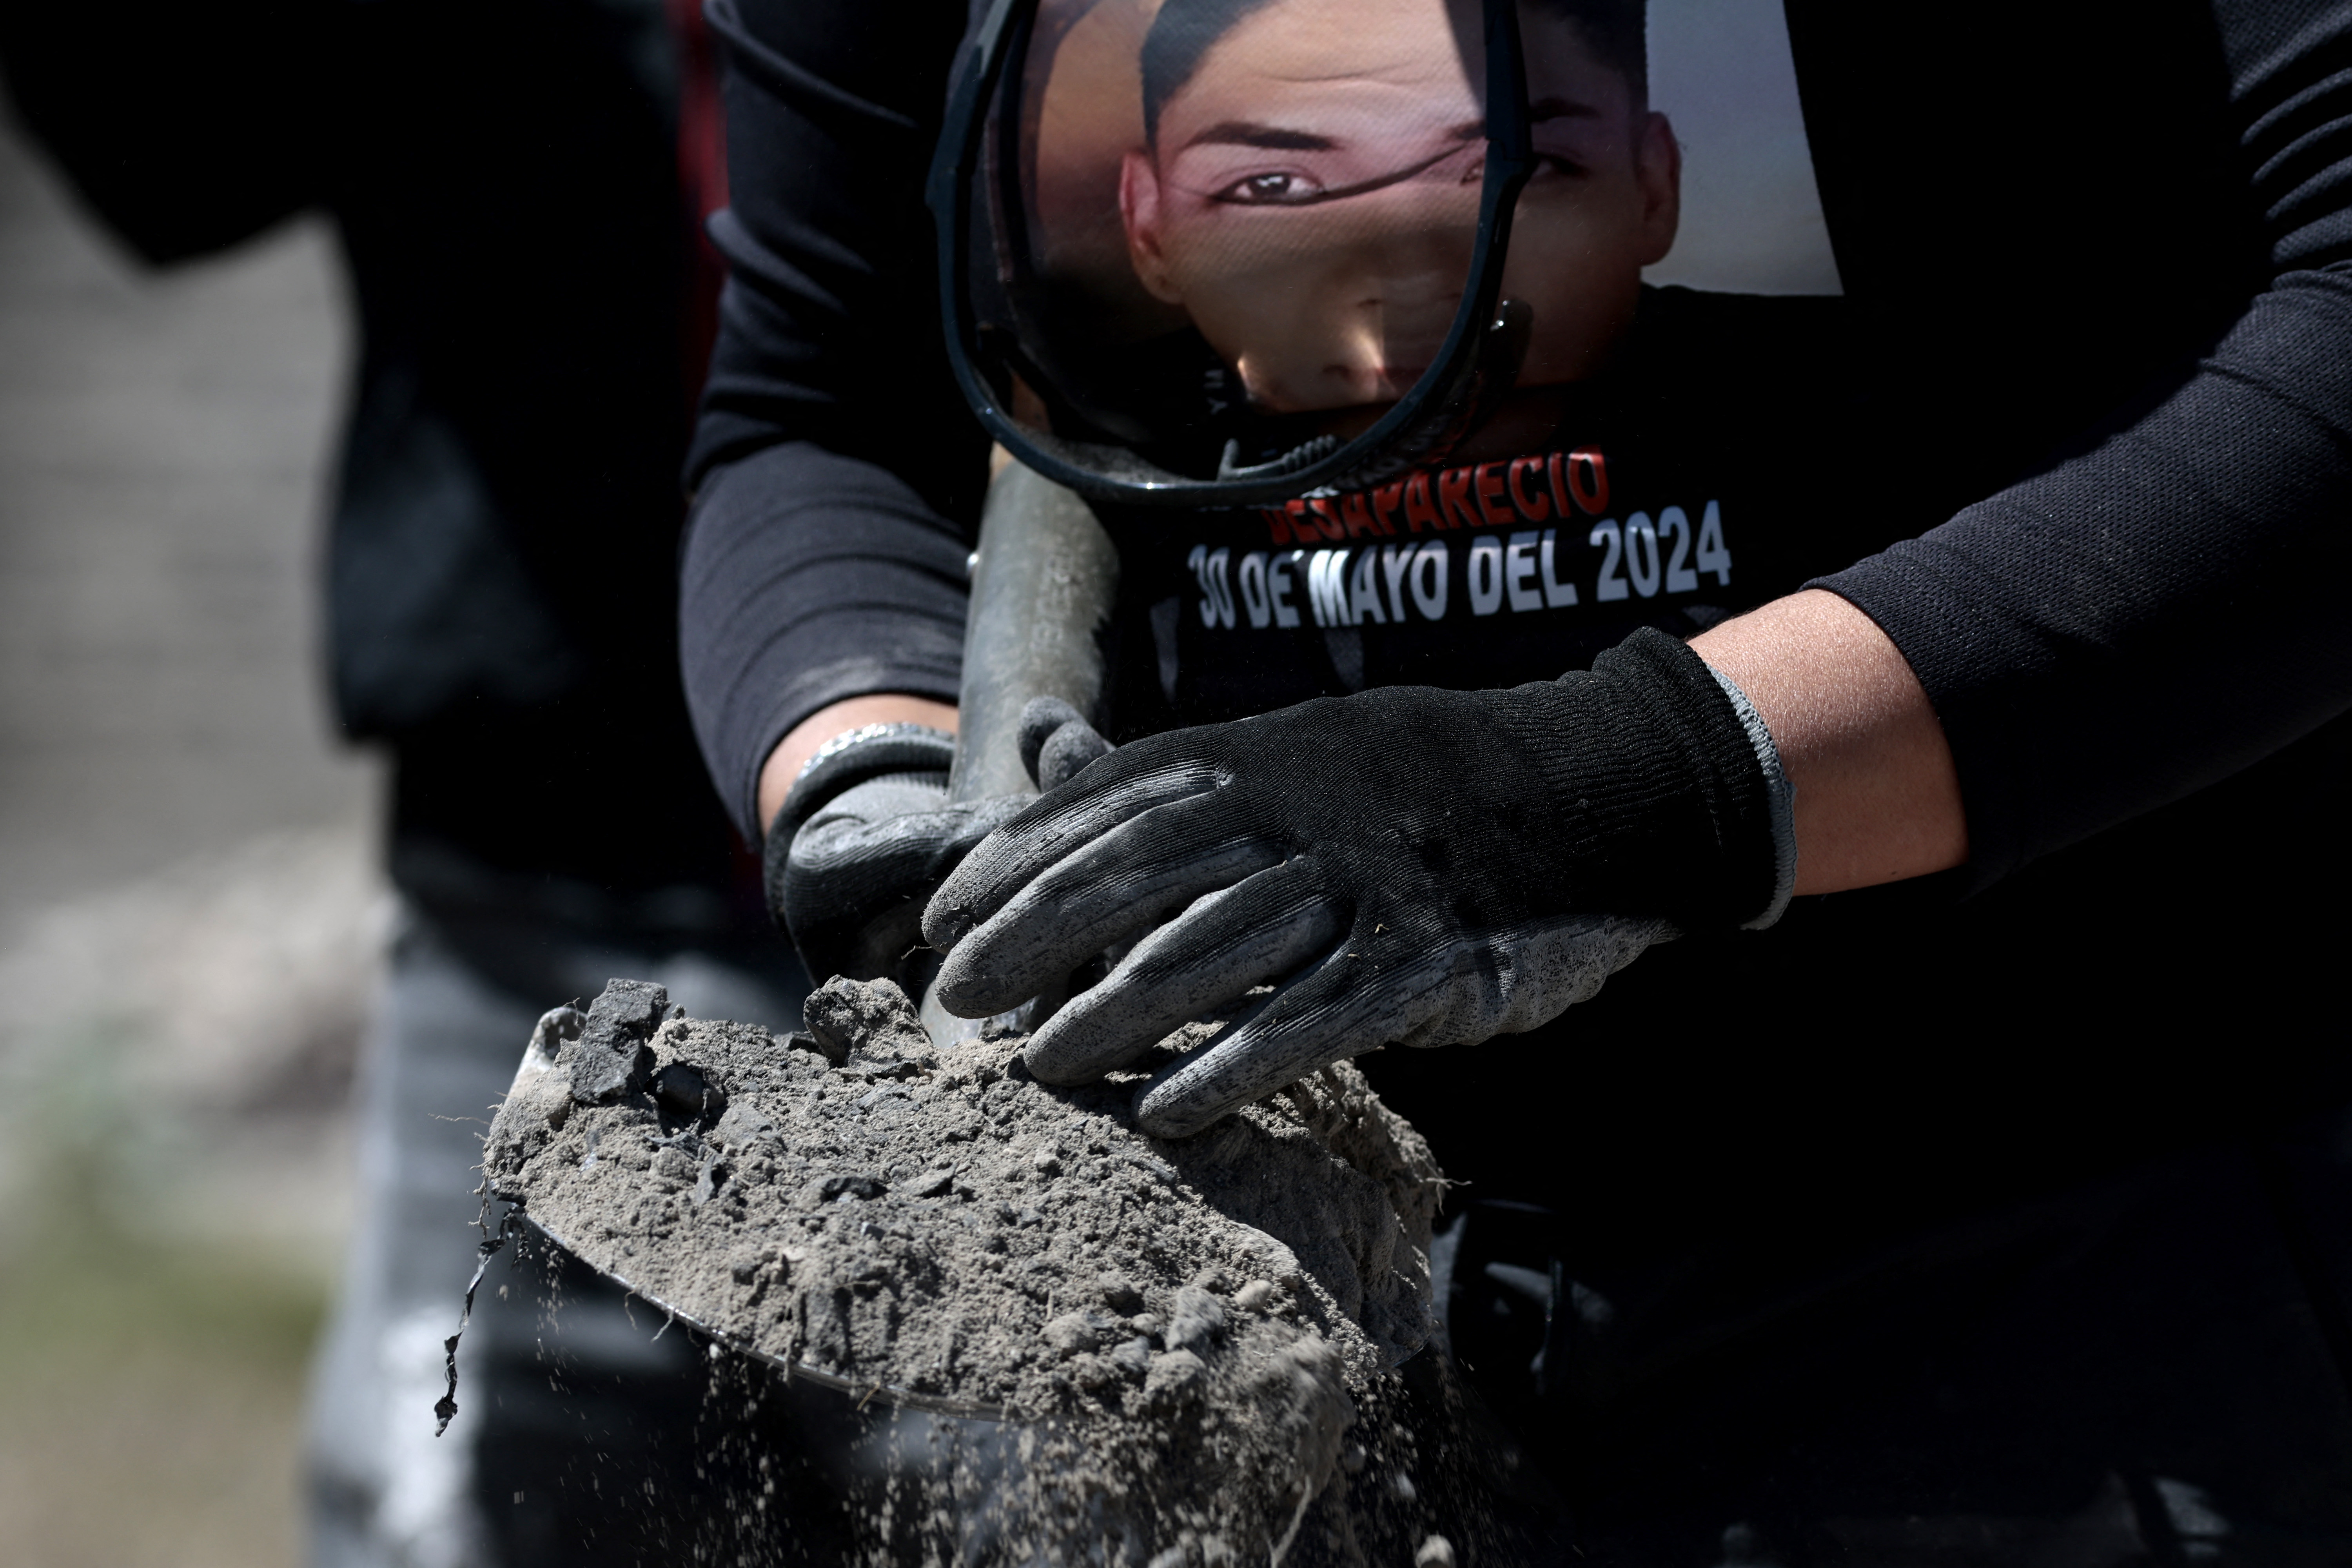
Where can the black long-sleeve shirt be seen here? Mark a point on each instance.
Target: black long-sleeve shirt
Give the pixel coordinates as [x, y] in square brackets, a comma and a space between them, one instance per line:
[2078, 434]
[2162, 273]
[505, 179]
[2096, 253]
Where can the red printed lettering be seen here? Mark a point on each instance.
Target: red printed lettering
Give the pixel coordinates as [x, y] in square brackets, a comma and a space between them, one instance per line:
[1327, 520]
[1590, 466]
[1277, 523]
[1490, 495]
[1533, 505]
[1356, 515]
[1384, 501]
[1417, 508]
[1453, 498]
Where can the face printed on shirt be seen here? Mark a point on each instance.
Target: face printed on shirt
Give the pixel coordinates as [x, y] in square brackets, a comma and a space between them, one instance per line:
[1309, 198]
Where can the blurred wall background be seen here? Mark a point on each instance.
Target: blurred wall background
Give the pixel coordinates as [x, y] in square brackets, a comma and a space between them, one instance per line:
[190, 909]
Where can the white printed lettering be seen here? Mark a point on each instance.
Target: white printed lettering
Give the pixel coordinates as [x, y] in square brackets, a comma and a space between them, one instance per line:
[1348, 587]
[1674, 524]
[1642, 554]
[1216, 598]
[1486, 577]
[1712, 556]
[1327, 588]
[1606, 535]
[1278, 583]
[1557, 594]
[1364, 593]
[1519, 571]
[1252, 572]
[1396, 560]
[1430, 565]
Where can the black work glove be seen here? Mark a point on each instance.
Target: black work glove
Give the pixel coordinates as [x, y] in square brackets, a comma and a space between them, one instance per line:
[1413, 867]
[867, 832]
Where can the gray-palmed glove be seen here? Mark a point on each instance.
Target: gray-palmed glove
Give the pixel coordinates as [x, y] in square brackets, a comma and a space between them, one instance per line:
[868, 831]
[1408, 866]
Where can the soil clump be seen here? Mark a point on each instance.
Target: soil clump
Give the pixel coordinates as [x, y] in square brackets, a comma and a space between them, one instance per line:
[1186, 1341]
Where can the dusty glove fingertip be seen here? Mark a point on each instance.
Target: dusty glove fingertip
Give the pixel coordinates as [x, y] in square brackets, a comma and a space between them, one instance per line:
[1162, 1110]
[966, 994]
[946, 919]
[1041, 719]
[1069, 750]
[1058, 1067]
[1078, 1044]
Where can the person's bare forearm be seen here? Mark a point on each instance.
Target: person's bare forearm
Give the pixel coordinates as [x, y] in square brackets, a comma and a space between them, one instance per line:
[801, 743]
[1878, 797]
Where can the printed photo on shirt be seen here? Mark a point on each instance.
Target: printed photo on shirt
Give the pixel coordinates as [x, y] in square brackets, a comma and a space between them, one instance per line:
[1242, 226]
[1278, 199]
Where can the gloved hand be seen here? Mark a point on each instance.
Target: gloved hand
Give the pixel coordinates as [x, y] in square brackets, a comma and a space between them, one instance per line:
[867, 832]
[1413, 867]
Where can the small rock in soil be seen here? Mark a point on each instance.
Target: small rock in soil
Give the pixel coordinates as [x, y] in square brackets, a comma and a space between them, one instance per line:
[613, 1052]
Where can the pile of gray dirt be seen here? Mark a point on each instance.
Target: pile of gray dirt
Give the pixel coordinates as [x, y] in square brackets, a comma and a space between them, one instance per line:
[1187, 1341]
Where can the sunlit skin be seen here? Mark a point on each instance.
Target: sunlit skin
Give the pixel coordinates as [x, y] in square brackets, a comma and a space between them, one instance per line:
[1312, 197]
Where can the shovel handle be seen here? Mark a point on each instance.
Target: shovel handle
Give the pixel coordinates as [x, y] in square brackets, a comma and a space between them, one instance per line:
[1043, 584]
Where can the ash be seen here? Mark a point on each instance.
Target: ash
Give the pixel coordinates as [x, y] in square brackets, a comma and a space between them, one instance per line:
[1179, 1344]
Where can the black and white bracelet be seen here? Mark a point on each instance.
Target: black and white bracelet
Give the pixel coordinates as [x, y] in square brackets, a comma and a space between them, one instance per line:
[855, 755]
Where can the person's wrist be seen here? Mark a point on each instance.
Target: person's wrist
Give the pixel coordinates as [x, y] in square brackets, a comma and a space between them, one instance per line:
[785, 762]
[850, 758]
[1779, 801]
[843, 762]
